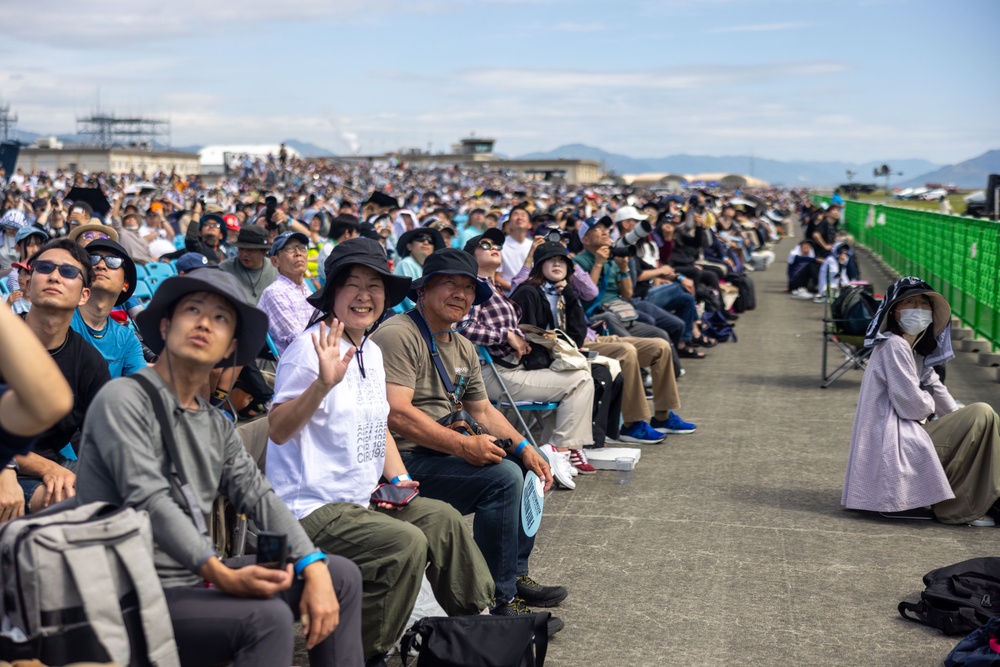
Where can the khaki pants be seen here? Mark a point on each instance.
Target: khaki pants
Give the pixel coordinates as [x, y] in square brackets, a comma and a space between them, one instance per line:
[634, 354]
[570, 425]
[968, 443]
[393, 548]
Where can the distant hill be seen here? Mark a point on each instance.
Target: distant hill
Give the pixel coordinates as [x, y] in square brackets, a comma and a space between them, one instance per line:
[776, 172]
[969, 174]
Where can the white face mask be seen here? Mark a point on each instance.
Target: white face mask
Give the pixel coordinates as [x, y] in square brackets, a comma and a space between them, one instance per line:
[915, 320]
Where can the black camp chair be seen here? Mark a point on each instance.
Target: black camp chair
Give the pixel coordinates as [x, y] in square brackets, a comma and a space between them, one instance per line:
[841, 333]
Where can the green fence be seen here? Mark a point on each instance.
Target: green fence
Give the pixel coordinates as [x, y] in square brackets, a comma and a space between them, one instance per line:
[959, 257]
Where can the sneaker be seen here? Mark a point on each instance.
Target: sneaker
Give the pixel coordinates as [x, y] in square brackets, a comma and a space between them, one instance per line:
[516, 607]
[985, 522]
[820, 299]
[578, 459]
[536, 595]
[802, 293]
[672, 424]
[559, 466]
[572, 471]
[641, 433]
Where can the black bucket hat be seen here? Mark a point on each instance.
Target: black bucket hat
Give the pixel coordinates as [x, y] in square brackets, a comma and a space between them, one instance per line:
[902, 289]
[362, 252]
[407, 237]
[128, 265]
[251, 327]
[452, 261]
[252, 237]
[548, 250]
[492, 234]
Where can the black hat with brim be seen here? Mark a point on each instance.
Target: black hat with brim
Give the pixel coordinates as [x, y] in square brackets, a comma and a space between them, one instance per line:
[548, 250]
[383, 200]
[492, 234]
[128, 265]
[407, 237]
[454, 262]
[251, 328]
[359, 251]
[252, 237]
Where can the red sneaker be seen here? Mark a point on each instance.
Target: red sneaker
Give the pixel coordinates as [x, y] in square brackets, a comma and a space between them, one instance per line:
[578, 458]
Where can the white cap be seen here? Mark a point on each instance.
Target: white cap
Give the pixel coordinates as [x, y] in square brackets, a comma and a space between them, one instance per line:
[629, 213]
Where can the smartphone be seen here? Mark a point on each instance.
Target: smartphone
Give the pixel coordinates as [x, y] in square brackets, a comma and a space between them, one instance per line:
[397, 496]
[272, 550]
[591, 354]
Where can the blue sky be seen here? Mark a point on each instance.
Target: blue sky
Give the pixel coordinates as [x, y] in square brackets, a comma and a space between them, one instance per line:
[784, 79]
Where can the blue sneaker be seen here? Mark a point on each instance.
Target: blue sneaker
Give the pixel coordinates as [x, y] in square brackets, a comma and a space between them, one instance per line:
[641, 433]
[672, 424]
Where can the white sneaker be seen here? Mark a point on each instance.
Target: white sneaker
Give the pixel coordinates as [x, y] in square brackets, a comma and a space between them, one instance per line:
[572, 468]
[802, 293]
[559, 466]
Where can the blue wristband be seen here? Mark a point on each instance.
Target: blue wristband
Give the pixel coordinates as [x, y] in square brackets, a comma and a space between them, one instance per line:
[401, 478]
[520, 447]
[306, 561]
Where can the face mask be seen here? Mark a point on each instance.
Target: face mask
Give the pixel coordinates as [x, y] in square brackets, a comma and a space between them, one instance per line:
[915, 320]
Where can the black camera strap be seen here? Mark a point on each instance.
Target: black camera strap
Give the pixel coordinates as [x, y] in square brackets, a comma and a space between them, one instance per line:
[425, 333]
[170, 448]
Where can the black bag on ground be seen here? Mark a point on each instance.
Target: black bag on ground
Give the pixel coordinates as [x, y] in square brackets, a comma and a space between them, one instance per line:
[747, 299]
[478, 641]
[959, 598]
[607, 404]
[853, 309]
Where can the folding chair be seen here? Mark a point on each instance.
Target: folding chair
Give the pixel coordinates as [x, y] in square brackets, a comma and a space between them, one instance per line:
[851, 345]
[535, 410]
[160, 270]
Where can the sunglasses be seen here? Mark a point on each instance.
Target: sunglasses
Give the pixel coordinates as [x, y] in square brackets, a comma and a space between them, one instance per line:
[110, 261]
[422, 239]
[216, 225]
[93, 236]
[67, 271]
[486, 245]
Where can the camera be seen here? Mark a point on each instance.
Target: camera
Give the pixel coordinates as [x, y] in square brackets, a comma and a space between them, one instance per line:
[553, 236]
[504, 443]
[625, 247]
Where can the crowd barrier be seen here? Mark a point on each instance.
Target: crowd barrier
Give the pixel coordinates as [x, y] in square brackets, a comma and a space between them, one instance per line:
[958, 256]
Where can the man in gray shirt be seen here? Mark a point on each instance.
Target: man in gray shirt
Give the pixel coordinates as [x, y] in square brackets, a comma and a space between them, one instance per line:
[196, 322]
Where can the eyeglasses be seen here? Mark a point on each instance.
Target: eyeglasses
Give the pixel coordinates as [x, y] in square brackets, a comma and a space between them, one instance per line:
[67, 271]
[216, 225]
[110, 261]
[422, 239]
[93, 236]
[486, 245]
[295, 250]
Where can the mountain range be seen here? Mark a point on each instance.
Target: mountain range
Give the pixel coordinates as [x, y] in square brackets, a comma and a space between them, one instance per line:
[971, 173]
[968, 174]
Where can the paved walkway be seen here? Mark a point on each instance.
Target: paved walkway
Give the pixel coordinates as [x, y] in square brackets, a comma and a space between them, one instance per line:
[730, 547]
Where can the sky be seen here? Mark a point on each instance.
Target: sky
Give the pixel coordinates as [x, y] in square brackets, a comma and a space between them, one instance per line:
[854, 80]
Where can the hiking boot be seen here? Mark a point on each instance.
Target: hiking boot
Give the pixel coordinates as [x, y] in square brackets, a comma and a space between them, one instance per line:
[516, 607]
[641, 433]
[536, 595]
[672, 424]
[578, 459]
[560, 467]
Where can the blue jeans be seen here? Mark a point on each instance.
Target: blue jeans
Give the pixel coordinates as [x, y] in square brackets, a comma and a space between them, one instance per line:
[650, 313]
[493, 492]
[677, 300]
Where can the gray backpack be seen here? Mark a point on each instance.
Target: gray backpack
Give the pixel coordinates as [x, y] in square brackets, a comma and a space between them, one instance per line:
[80, 584]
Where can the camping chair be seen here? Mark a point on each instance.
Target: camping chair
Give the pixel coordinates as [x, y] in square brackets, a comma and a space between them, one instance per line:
[535, 410]
[851, 345]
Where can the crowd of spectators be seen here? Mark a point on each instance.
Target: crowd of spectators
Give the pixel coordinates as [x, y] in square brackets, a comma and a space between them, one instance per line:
[374, 315]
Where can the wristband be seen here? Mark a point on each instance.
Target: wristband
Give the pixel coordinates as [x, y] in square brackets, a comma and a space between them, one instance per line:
[401, 478]
[306, 561]
[520, 447]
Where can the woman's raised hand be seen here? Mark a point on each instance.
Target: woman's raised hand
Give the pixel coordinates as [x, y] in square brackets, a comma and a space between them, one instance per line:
[332, 366]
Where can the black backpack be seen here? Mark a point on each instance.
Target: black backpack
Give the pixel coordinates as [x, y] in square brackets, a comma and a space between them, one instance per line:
[853, 309]
[959, 598]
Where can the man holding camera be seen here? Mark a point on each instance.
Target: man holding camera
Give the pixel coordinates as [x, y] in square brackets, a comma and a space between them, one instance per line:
[476, 472]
